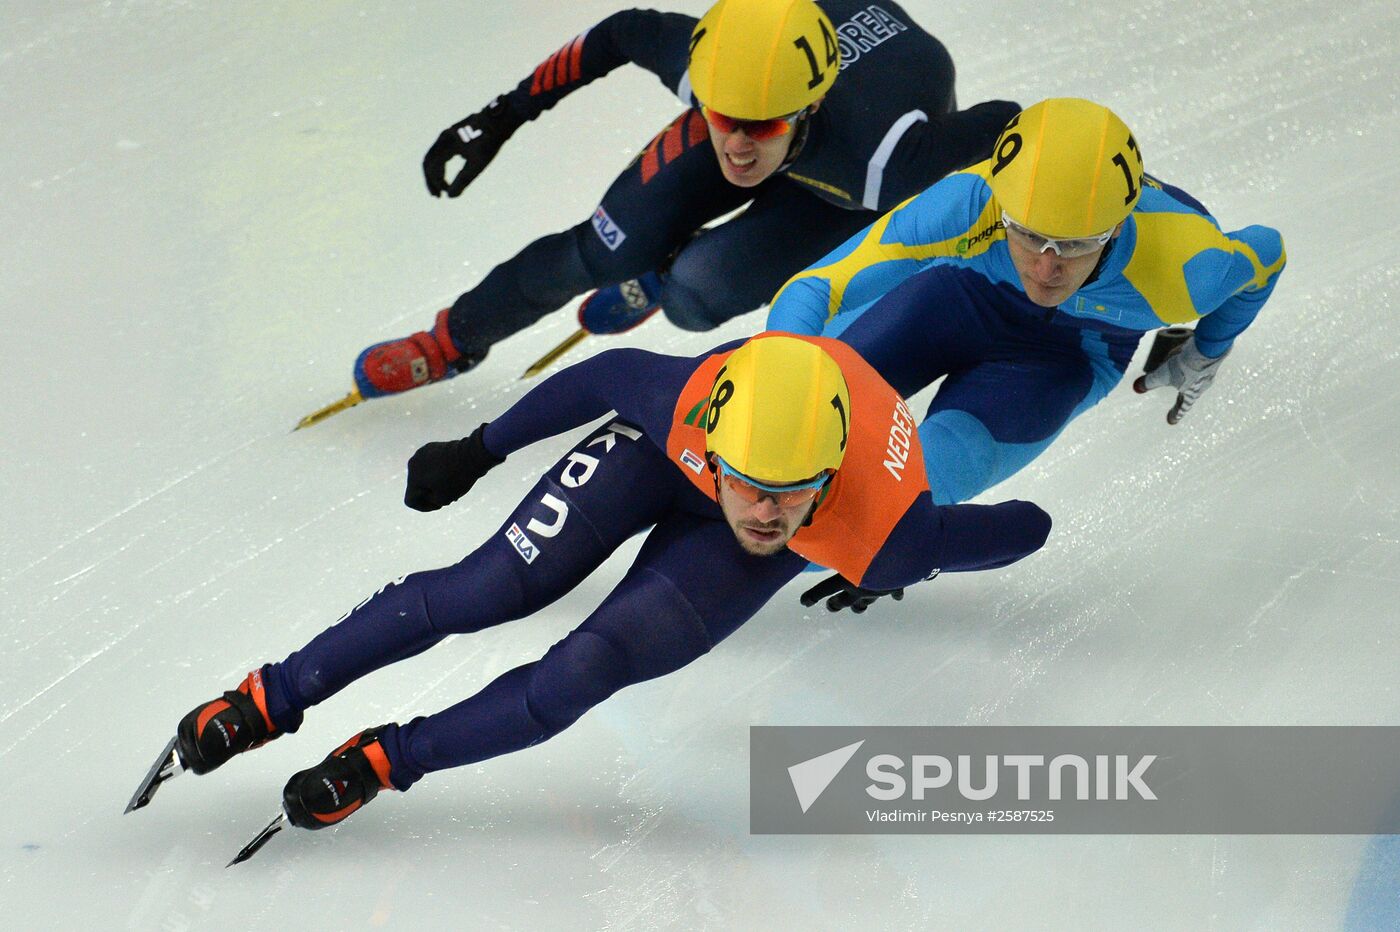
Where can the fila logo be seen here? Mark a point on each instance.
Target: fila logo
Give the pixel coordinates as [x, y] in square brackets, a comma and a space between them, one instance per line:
[610, 233]
[468, 132]
[578, 469]
[522, 544]
[695, 463]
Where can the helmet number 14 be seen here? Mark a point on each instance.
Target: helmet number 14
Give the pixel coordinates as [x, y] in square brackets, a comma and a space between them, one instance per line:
[828, 47]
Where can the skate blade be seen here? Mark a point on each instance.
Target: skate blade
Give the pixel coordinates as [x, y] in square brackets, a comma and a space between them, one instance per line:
[166, 767]
[260, 839]
[547, 360]
[335, 407]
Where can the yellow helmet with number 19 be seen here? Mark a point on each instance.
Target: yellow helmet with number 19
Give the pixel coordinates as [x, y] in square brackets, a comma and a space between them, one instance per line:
[1067, 168]
[779, 411]
[760, 59]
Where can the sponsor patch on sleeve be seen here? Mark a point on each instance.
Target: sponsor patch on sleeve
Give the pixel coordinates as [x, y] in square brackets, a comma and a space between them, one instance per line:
[610, 233]
[522, 544]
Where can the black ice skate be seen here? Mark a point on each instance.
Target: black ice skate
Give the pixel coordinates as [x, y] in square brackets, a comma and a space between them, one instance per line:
[220, 728]
[209, 735]
[349, 777]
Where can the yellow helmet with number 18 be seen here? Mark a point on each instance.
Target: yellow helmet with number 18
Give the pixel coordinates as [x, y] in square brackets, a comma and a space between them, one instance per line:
[779, 411]
[1067, 168]
[760, 59]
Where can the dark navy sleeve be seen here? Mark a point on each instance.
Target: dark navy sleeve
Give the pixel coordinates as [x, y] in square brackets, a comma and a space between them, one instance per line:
[640, 386]
[658, 42]
[956, 539]
[937, 146]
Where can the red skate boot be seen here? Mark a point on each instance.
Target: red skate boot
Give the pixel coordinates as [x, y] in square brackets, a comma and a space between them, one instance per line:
[399, 365]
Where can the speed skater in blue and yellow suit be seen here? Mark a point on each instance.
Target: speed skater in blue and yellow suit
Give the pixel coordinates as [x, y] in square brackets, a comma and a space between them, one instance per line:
[1028, 280]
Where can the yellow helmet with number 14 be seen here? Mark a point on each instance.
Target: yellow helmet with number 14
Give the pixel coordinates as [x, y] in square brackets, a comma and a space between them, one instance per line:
[761, 59]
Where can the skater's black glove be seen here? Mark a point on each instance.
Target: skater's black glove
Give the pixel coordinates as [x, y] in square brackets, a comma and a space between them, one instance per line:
[441, 473]
[476, 139]
[994, 114]
[846, 594]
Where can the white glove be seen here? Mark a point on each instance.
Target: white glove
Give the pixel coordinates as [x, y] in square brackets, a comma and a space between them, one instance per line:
[1189, 371]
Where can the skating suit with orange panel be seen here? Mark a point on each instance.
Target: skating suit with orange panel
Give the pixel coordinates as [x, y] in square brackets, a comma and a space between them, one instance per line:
[878, 524]
[880, 479]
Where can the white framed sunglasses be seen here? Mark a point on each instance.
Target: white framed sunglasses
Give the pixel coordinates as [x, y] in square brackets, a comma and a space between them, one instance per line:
[1064, 248]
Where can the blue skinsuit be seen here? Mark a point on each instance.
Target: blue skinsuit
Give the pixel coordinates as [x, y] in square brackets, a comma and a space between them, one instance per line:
[929, 290]
[690, 587]
[888, 127]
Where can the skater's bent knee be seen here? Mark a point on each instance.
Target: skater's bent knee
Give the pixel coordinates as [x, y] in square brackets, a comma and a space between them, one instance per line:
[575, 675]
[698, 307]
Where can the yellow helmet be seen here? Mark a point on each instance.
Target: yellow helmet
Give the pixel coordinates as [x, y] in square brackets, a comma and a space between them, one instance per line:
[779, 411]
[1067, 168]
[760, 59]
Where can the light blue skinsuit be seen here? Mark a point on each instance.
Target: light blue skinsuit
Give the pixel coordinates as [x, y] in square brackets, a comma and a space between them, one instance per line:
[929, 290]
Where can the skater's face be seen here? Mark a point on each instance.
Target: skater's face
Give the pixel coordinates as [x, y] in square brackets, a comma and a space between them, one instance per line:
[764, 521]
[745, 159]
[1048, 278]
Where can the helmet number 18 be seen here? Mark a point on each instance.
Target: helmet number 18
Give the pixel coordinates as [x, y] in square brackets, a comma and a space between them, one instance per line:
[723, 392]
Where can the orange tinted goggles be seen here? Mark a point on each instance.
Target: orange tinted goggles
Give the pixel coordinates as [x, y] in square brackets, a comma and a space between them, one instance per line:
[757, 130]
[752, 491]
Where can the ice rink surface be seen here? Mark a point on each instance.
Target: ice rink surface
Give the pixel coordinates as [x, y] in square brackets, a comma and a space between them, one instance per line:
[209, 209]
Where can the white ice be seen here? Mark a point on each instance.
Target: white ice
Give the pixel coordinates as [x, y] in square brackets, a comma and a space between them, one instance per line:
[209, 208]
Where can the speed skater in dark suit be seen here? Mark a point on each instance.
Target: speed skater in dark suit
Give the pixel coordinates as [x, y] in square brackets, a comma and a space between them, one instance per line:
[815, 157]
[743, 466]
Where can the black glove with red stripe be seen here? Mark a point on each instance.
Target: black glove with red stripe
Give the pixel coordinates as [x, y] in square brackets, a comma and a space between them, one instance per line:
[476, 140]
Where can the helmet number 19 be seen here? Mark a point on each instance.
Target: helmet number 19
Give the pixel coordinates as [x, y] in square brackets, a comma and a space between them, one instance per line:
[1008, 146]
[828, 47]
